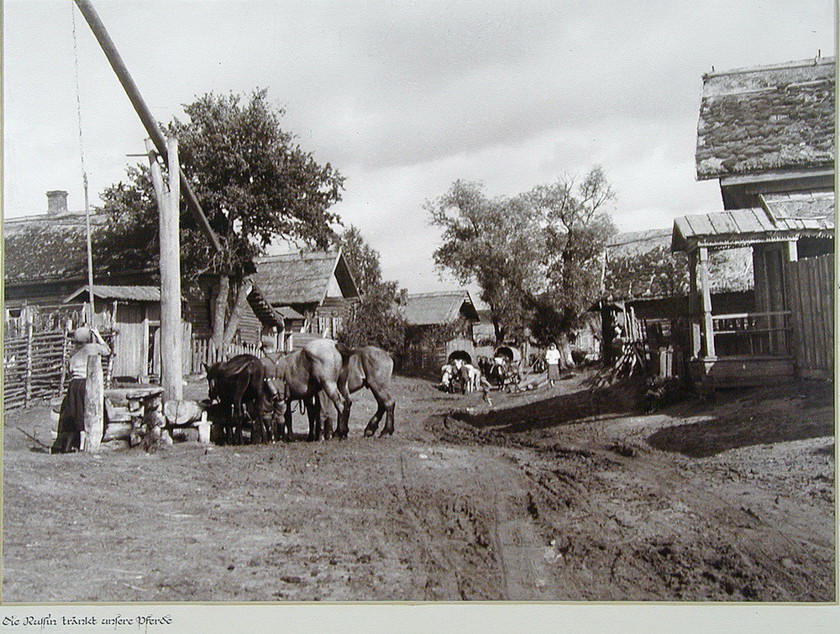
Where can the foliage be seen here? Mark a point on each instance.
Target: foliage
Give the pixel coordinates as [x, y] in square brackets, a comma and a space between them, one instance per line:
[536, 256]
[361, 258]
[577, 229]
[254, 183]
[374, 320]
[493, 242]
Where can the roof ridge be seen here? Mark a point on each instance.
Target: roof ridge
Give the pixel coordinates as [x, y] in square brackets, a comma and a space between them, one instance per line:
[438, 293]
[813, 61]
[297, 255]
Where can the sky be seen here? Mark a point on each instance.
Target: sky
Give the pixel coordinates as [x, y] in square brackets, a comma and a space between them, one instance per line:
[402, 97]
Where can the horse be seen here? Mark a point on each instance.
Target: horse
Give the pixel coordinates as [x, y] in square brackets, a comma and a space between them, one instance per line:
[306, 372]
[370, 367]
[234, 384]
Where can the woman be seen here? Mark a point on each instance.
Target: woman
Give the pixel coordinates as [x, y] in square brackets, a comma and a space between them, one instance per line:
[552, 360]
[71, 419]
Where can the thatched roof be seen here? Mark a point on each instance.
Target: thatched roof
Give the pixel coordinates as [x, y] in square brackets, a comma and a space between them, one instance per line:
[303, 278]
[754, 120]
[426, 309]
[45, 248]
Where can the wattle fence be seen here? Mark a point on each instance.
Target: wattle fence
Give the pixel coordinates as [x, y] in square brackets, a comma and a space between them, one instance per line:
[35, 362]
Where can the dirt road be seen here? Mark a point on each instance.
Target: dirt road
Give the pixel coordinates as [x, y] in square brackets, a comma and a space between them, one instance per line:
[552, 496]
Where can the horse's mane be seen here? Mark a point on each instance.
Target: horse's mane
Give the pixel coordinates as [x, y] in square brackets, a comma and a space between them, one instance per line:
[234, 366]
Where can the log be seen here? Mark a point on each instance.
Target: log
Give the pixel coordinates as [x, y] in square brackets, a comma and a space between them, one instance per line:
[180, 412]
[118, 431]
[94, 404]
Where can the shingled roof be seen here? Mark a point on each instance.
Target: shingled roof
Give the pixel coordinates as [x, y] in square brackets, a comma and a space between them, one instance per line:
[303, 278]
[754, 120]
[641, 265]
[783, 217]
[426, 309]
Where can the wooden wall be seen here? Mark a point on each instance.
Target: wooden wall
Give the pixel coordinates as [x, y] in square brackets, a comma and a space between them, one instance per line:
[810, 285]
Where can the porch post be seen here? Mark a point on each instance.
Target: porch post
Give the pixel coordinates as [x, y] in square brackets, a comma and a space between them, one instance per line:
[708, 327]
[692, 304]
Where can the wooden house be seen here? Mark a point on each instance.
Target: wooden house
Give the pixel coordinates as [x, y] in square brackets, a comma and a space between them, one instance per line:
[767, 135]
[45, 273]
[645, 291]
[313, 292]
[437, 325]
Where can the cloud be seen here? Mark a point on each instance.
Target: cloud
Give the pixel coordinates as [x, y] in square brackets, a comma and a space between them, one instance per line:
[404, 97]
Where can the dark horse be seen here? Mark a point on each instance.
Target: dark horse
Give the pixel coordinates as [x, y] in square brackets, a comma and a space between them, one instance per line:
[370, 367]
[236, 383]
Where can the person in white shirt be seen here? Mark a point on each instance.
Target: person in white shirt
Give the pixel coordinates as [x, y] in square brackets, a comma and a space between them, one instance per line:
[71, 419]
[552, 360]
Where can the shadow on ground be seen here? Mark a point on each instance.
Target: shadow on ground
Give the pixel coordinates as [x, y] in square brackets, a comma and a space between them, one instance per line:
[762, 416]
[563, 409]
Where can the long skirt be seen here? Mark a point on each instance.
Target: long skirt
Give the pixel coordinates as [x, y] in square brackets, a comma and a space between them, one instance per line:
[71, 419]
[553, 372]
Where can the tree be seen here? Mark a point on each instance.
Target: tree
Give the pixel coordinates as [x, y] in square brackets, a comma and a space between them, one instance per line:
[374, 320]
[577, 229]
[495, 243]
[255, 185]
[536, 256]
[361, 258]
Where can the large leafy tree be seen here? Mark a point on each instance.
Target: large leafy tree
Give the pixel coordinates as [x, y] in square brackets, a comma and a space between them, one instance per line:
[255, 184]
[577, 228]
[536, 256]
[375, 319]
[494, 242]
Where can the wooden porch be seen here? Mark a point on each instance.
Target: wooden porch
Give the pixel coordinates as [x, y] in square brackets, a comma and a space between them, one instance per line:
[790, 335]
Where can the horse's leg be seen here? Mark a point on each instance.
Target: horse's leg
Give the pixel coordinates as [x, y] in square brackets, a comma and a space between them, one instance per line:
[373, 423]
[313, 414]
[385, 405]
[342, 406]
[287, 419]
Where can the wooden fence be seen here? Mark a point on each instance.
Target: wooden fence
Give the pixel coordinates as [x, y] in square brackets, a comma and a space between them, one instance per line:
[202, 350]
[34, 365]
[810, 284]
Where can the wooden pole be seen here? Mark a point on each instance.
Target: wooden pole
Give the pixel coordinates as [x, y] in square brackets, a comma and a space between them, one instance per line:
[170, 284]
[692, 304]
[149, 122]
[94, 404]
[708, 324]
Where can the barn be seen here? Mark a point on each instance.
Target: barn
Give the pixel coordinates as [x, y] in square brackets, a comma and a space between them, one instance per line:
[312, 290]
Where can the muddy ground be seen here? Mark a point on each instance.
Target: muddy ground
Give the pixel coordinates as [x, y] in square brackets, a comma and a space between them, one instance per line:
[552, 495]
